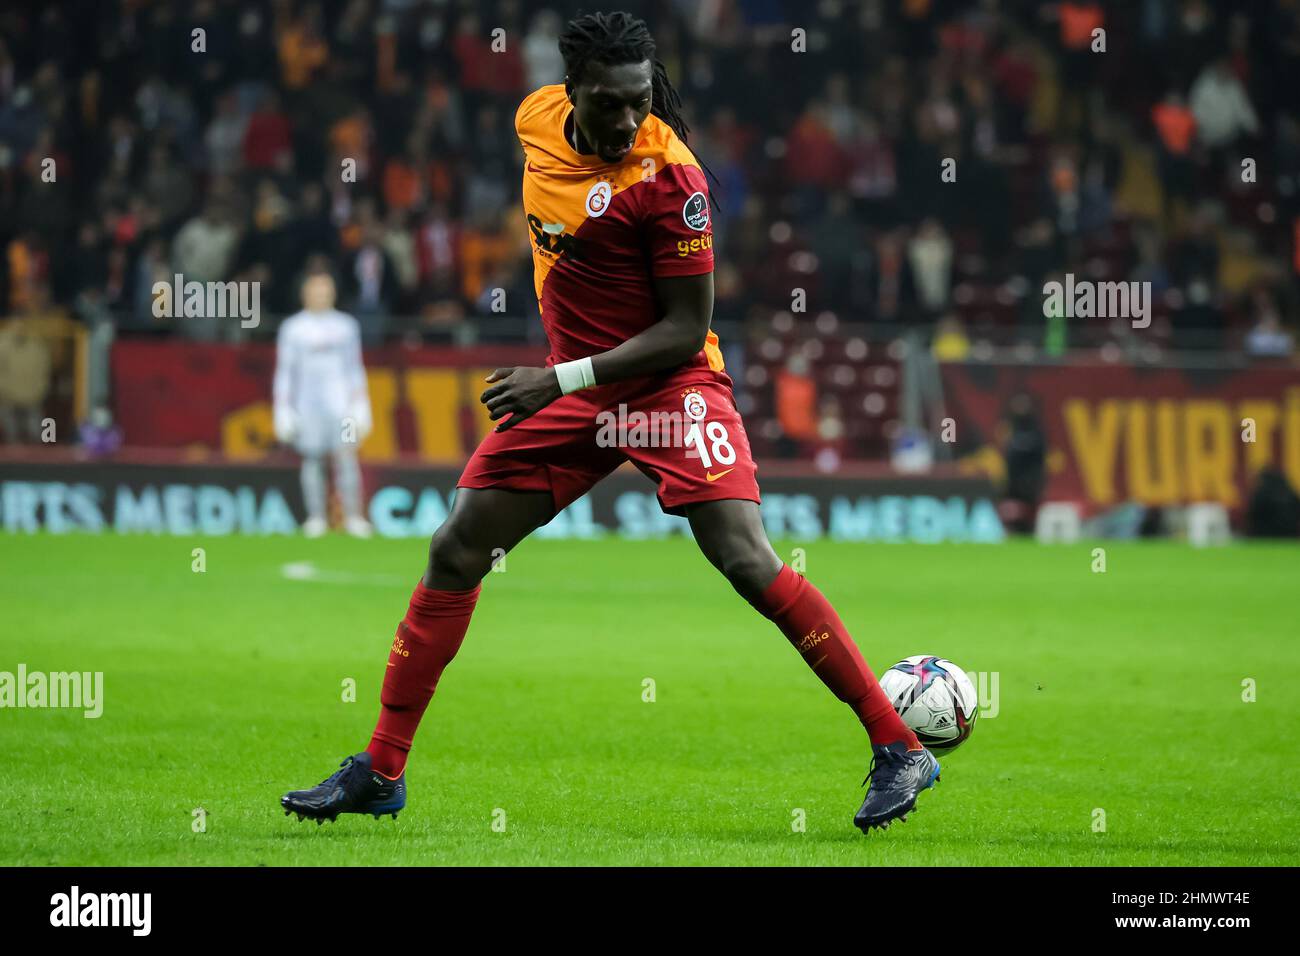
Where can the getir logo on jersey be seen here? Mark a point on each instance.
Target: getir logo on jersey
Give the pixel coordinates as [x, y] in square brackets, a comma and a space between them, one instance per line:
[685, 248]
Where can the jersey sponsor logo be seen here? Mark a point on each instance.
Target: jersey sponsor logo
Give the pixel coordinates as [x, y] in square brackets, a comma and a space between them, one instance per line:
[695, 213]
[694, 404]
[698, 244]
[722, 474]
[550, 238]
[598, 198]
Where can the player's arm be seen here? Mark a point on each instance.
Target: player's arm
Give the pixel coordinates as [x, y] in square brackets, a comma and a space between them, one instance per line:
[687, 306]
[675, 223]
[286, 356]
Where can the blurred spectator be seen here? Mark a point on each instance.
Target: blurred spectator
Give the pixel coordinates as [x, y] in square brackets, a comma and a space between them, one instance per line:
[266, 136]
[438, 252]
[166, 186]
[24, 381]
[98, 435]
[930, 255]
[831, 436]
[1267, 339]
[1176, 126]
[1273, 510]
[1222, 109]
[950, 341]
[372, 283]
[302, 48]
[542, 59]
[224, 137]
[796, 400]
[152, 266]
[399, 243]
[204, 251]
[1025, 451]
[205, 246]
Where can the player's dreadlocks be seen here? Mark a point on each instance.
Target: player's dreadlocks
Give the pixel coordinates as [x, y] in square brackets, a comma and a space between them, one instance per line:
[615, 38]
[619, 37]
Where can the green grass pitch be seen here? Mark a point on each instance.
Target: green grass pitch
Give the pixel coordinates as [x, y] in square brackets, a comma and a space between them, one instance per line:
[1118, 691]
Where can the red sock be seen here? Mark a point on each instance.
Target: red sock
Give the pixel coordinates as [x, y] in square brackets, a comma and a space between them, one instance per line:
[426, 641]
[809, 622]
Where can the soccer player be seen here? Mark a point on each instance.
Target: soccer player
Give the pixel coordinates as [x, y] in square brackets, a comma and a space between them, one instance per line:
[618, 213]
[321, 403]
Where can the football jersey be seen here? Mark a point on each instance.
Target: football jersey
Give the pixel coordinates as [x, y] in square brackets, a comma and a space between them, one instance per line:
[601, 232]
[319, 376]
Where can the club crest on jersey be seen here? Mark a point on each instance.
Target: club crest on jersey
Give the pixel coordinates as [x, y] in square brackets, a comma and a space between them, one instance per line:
[696, 212]
[598, 198]
[695, 405]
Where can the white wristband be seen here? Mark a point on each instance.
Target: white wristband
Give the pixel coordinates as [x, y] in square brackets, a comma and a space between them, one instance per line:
[575, 375]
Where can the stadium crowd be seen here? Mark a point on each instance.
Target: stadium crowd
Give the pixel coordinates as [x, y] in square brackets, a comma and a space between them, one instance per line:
[1170, 153]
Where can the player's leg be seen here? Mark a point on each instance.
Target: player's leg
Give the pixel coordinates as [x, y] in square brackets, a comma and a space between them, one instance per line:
[709, 476]
[312, 476]
[707, 473]
[514, 482]
[483, 525]
[731, 535]
[347, 479]
[428, 637]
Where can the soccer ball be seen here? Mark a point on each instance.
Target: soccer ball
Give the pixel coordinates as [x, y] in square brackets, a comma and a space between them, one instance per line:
[935, 698]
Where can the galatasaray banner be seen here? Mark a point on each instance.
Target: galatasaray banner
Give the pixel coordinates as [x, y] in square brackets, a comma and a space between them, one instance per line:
[217, 398]
[1157, 436]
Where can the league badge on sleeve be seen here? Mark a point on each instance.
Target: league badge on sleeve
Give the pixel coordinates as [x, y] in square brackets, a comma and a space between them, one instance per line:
[696, 212]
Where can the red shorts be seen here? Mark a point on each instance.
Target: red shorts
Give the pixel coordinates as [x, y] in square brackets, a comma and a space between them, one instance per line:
[683, 431]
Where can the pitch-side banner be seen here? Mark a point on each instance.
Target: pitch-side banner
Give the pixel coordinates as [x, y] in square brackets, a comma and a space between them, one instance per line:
[217, 398]
[1157, 436]
[412, 502]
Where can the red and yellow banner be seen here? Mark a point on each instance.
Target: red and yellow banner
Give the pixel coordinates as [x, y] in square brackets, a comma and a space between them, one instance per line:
[1157, 436]
[217, 398]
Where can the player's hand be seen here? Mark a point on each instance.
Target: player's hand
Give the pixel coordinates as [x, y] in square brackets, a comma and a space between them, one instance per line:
[519, 393]
[361, 420]
[285, 424]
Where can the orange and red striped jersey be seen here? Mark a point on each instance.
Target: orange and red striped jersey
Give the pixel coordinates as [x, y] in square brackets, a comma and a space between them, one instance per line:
[602, 232]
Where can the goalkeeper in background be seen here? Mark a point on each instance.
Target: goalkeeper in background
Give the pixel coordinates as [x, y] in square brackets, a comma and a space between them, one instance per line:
[322, 406]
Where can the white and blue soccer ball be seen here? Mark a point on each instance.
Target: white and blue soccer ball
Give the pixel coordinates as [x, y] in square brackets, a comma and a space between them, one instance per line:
[935, 698]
